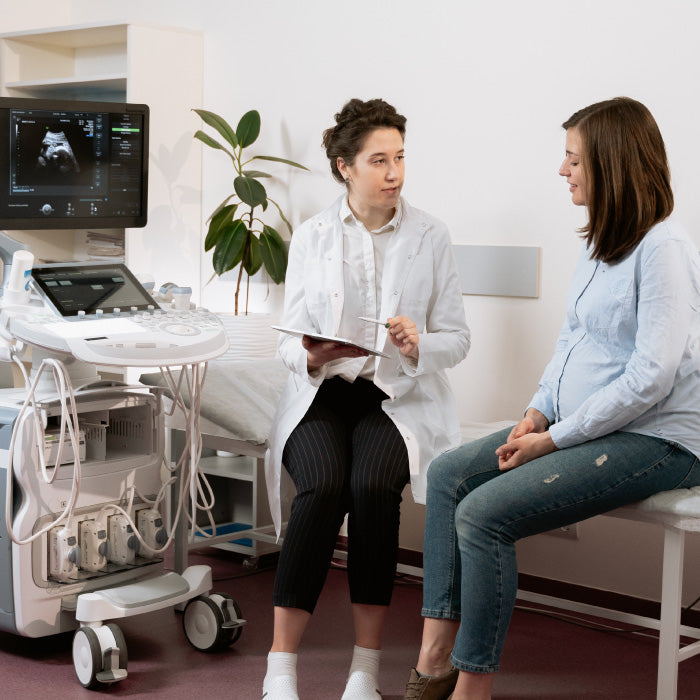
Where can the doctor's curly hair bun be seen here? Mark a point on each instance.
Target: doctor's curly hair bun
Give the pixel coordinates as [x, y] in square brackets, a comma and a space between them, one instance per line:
[355, 121]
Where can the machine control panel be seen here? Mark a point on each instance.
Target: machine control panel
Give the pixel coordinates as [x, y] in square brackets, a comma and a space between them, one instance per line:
[100, 314]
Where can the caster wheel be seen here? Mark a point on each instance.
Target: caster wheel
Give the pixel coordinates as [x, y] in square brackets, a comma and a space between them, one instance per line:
[202, 622]
[232, 614]
[99, 655]
[87, 657]
[208, 623]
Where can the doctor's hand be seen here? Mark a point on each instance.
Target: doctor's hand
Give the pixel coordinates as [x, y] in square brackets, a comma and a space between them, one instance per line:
[524, 449]
[319, 352]
[404, 334]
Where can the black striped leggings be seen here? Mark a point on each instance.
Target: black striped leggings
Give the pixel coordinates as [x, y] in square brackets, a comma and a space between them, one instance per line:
[345, 456]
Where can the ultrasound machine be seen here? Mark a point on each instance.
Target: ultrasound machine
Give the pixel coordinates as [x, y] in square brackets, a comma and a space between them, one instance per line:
[81, 458]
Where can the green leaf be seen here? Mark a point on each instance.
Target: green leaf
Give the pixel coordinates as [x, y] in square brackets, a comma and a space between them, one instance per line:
[220, 124]
[248, 128]
[220, 207]
[281, 160]
[256, 173]
[250, 191]
[229, 249]
[274, 254]
[209, 141]
[253, 261]
[281, 213]
[218, 221]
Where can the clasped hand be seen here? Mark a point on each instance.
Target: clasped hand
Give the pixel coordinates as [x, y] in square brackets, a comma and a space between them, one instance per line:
[528, 440]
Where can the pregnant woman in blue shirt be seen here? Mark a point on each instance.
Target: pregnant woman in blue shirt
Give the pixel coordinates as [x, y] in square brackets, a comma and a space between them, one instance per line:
[616, 418]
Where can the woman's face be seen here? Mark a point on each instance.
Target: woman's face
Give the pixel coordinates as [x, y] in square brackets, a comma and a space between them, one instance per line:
[376, 176]
[572, 169]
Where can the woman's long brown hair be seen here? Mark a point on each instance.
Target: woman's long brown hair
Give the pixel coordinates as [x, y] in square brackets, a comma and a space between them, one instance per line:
[628, 183]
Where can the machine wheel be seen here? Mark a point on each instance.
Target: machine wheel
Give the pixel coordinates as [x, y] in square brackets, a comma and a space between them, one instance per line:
[87, 657]
[99, 655]
[203, 624]
[231, 634]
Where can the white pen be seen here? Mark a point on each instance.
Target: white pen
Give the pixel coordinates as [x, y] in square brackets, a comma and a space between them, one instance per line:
[373, 320]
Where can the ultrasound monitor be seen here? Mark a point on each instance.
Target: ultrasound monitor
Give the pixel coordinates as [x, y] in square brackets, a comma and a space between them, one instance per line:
[70, 164]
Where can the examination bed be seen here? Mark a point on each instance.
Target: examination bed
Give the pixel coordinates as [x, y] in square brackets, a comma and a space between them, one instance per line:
[238, 401]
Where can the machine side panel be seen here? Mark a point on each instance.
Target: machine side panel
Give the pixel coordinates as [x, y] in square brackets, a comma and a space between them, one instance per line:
[7, 610]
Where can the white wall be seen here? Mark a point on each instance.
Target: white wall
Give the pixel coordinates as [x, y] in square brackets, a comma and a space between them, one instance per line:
[485, 87]
[17, 16]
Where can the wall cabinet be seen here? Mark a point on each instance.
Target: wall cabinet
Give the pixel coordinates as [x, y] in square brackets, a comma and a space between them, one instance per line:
[159, 66]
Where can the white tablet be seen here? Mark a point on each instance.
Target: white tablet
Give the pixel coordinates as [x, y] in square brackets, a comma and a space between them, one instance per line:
[329, 339]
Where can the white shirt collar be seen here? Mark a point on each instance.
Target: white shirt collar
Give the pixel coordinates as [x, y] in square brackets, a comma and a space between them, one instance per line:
[347, 217]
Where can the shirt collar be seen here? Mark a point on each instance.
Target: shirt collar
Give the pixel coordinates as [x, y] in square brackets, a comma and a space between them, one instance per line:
[347, 217]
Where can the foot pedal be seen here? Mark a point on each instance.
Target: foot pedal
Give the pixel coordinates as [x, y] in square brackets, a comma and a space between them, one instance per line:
[110, 662]
[231, 621]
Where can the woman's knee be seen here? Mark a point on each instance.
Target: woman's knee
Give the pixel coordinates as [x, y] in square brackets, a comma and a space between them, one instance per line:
[371, 489]
[322, 495]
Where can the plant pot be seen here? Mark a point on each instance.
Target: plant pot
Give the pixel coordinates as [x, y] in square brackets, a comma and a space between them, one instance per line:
[249, 335]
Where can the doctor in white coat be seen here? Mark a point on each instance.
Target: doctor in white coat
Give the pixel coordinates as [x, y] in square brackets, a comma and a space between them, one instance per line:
[353, 427]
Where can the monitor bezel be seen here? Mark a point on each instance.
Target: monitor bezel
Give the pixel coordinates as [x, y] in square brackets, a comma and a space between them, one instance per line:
[79, 222]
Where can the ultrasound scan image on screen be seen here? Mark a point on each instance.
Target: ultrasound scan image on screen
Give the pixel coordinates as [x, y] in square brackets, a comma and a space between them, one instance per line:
[70, 164]
[48, 155]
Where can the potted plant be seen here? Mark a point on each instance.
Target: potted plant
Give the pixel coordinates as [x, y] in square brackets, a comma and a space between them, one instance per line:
[236, 230]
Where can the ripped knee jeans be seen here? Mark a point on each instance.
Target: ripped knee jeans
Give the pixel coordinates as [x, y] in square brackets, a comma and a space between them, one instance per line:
[475, 515]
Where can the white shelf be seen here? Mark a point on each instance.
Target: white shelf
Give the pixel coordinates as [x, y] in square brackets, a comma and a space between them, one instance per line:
[159, 66]
[83, 36]
[98, 87]
[234, 467]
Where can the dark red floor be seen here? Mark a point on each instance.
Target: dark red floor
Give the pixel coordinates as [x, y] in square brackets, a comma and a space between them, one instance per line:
[544, 659]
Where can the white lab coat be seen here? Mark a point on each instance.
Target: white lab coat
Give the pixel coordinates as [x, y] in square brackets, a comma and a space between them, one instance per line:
[419, 281]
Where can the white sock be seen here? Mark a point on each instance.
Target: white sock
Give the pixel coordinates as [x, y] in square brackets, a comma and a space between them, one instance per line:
[363, 677]
[281, 677]
[366, 660]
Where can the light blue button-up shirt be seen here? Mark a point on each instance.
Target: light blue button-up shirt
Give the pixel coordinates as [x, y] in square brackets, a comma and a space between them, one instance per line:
[628, 355]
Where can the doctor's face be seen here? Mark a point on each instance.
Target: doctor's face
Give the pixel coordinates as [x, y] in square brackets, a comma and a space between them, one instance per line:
[377, 173]
[572, 168]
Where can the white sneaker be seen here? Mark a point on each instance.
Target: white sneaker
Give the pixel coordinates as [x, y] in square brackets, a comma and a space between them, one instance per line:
[280, 688]
[361, 686]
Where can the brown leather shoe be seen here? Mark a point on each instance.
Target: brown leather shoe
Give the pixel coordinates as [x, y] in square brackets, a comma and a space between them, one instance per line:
[431, 687]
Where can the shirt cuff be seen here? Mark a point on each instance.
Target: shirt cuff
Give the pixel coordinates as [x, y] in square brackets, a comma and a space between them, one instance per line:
[410, 365]
[541, 404]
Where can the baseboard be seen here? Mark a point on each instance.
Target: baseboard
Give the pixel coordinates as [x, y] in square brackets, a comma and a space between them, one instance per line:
[574, 592]
[600, 598]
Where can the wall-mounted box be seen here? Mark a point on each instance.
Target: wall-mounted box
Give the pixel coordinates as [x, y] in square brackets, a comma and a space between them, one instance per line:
[498, 270]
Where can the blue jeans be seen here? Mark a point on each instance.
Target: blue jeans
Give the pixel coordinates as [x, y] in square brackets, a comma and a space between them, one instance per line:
[475, 514]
